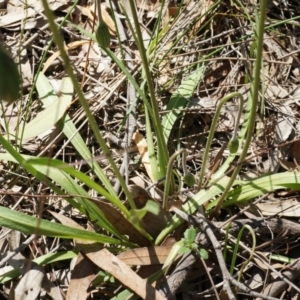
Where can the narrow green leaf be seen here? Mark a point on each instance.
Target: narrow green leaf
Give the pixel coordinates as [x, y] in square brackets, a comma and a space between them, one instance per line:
[180, 100]
[72, 133]
[69, 185]
[30, 225]
[260, 186]
[59, 165]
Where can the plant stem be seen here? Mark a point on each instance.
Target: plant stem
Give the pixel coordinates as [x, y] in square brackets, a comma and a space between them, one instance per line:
[162, 146]
[213, 127]
[169, 176]
[253, 98]
[184, 168]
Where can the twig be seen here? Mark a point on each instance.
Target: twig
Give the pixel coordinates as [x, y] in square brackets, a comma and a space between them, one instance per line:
[175, 280]
[217, 247]
[206, 227]
[291, 272]
[186, 263]
[11, 254]
[131, 97]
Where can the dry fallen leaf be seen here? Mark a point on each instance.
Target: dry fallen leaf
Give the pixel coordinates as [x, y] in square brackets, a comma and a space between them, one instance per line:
[123, 226]
[154, 224]
[56, 54]
[90, 13]
[117, 268]
[30, 284]
[285, 123]
[81, 278]
[145, 256]
[282, 208]
[141, 143]
[294, 152]
[65, 220]
[19, 11]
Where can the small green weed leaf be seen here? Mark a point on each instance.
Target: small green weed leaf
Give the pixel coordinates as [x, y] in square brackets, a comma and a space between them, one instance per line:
[30, 225]
[46, 119]
[180, 99]
[203, 253]
[190, 235]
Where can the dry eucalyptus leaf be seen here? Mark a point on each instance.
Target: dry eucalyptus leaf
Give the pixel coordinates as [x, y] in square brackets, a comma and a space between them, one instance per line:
[30, 285]
[141, 143]
[90, 12]
[287, 165]
[14, 239]
[112, 264]
[121, 224]
[285, 123]
[137, 180]
[154, 224]
[282, 208]
[56, 54]
[65, 220]
[19, 11]
[256, 281]
[145, 256]
[52, 290]
[81, 278]
[275, 92]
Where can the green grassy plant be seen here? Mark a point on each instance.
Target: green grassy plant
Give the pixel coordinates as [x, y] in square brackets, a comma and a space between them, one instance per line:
[67, 181]
[224, 184]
